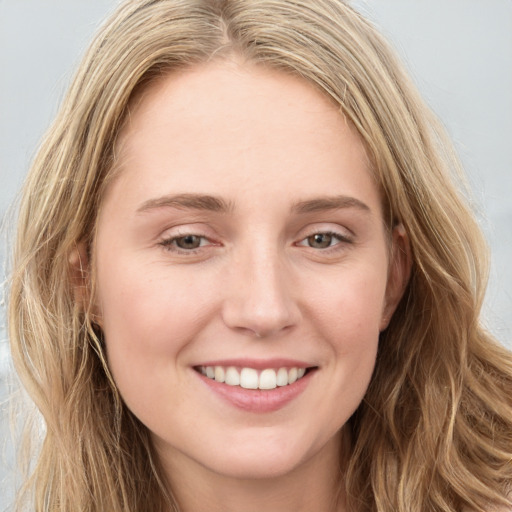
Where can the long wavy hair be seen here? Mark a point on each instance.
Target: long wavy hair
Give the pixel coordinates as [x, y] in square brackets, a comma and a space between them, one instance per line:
[434, 431]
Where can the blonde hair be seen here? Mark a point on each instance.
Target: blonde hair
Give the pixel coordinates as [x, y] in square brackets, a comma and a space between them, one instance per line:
[434, 431]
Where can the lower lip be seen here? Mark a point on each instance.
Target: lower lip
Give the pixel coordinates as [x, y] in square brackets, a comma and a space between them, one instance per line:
[258, 400]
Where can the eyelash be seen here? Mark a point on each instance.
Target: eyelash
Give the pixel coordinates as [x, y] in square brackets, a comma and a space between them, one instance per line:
[170, 244]
[341, 239]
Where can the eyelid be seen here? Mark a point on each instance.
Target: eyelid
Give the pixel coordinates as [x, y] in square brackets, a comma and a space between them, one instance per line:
[342, 238]
[330, 228]
[170, 236]
[168, 239]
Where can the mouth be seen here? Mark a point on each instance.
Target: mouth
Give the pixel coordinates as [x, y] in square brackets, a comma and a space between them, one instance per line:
[252, 378]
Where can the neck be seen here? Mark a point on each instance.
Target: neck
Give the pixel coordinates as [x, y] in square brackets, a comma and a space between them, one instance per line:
[315, 484]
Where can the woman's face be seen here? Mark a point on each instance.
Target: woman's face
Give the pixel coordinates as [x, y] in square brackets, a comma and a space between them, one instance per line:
[243, 239]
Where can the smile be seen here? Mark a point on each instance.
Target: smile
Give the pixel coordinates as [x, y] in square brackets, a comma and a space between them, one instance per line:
[256, 386]
[250, 378]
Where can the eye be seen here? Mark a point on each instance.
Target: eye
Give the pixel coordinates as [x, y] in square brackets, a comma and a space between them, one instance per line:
[323, 240]
[187, 242]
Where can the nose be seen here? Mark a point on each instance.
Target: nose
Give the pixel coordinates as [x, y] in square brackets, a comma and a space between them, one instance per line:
[259, 295]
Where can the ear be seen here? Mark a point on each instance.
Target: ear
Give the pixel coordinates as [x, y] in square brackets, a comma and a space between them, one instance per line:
[79, 269]
[399, 272]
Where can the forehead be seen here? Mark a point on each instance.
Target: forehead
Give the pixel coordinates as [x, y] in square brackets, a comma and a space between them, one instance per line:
[231, 126]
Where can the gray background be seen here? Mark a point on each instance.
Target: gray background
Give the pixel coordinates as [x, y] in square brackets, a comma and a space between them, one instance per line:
[458, 51]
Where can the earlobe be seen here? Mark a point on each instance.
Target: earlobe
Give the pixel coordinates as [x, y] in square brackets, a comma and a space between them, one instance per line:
[399, 273]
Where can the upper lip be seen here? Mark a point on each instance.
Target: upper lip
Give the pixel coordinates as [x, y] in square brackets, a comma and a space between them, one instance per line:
[257, 364]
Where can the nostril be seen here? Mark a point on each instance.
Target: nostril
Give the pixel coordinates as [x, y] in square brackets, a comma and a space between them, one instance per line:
[262, 332]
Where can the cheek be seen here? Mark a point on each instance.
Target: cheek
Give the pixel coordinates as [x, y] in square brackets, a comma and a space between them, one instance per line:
[140, 305]
[345, 310]
[147, 321]
[348, 315]
[349, 306]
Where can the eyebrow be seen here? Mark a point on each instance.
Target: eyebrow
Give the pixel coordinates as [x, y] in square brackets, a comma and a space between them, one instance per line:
[190, 201]
[217, 204]
[329, 203]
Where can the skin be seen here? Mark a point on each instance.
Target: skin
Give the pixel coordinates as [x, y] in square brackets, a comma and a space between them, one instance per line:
[271, 149]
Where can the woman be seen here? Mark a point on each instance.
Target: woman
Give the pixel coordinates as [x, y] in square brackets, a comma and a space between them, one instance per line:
[243, 277]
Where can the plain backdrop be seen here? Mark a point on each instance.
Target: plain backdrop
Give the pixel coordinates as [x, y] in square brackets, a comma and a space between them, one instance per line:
[458, 51]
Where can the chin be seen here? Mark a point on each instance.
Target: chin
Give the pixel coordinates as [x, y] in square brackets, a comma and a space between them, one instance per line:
[268, 460]
[247, 468]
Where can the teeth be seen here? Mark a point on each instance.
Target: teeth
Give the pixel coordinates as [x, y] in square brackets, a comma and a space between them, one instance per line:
[268, 379]
[282, 377]
[232, 377]
[249, 378]
[220, 374]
